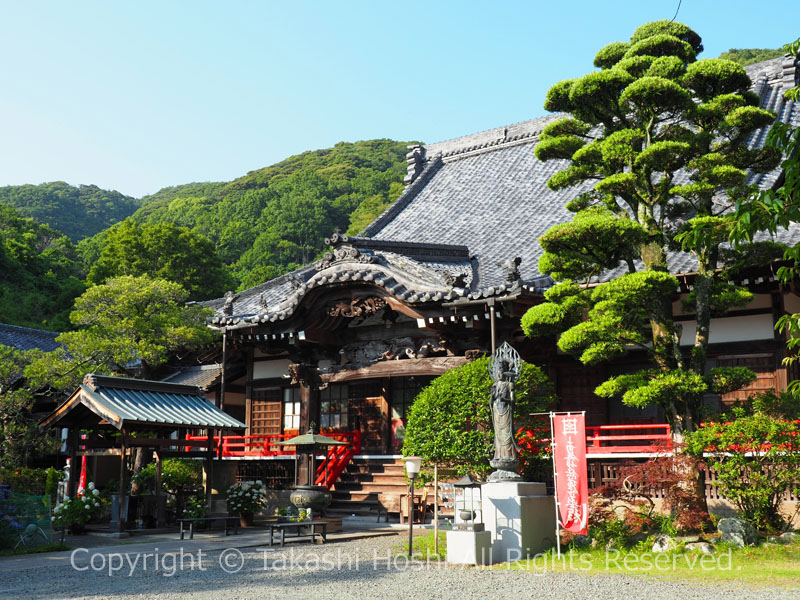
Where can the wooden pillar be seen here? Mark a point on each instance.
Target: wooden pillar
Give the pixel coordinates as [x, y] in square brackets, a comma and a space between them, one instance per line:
[309, 405]
[209, 466]
[221, 397]
[123, 504]
[386, 415]
[248, 394]
[493, 333]
[74, 467]
[160, 516]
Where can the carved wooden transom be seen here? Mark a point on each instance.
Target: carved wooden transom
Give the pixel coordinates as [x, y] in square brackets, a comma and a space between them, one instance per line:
[357, 307]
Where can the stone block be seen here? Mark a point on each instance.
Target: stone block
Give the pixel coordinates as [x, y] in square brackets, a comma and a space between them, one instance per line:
[520, 517]
[469, 547]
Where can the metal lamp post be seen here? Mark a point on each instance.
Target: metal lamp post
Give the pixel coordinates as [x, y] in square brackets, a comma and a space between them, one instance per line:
[413, 464]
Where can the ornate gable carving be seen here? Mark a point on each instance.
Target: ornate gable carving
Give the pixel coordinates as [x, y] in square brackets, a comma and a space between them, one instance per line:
[358, 307]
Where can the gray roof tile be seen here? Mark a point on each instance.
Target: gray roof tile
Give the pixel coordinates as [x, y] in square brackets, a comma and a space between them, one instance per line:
[25, 338]
[488, 192]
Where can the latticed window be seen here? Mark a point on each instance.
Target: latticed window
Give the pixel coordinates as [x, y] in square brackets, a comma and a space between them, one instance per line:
[333, 407]
[291, 408]
[403, 392]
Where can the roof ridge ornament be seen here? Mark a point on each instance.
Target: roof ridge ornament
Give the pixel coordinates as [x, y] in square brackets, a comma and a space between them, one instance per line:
[343, 251]
[415, 160]
[510, 267]
[230, 298]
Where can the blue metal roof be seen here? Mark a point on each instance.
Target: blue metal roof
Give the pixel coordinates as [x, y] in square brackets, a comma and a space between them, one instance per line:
[130, 402]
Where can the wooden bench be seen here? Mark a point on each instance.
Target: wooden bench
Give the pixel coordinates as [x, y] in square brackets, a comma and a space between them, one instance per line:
[209, 519]
[282, 528]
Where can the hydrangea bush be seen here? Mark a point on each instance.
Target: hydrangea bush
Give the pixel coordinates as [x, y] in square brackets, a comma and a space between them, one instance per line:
[9, 524]
[74, 513]
[246, 497]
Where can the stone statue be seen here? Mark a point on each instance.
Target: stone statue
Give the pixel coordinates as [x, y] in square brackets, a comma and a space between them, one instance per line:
[504, 368]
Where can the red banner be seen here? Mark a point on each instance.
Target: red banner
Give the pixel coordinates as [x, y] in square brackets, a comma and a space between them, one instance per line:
[572, 486]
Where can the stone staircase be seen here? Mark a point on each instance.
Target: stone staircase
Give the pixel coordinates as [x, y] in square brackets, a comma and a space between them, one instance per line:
[366, 485]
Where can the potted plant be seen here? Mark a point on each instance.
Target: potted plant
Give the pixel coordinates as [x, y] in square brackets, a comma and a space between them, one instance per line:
[246, 498]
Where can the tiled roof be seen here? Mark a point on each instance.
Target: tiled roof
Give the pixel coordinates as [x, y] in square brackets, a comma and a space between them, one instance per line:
[488, 191]
[125, 402]
[202, 376]
[25, 338]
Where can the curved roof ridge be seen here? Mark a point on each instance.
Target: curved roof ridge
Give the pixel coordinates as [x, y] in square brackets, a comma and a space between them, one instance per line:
[492, 137]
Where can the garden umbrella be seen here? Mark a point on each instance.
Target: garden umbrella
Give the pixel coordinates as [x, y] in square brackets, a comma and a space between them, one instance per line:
[309, 443]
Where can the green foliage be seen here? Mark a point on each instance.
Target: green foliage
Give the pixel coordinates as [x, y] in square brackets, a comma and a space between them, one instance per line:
[52, 478]
[749, 56]
[39, 273]
[76, 512]
[195, 508]
[757, 459]
[127, 325]
[78, 212]
[178, 476]
[672, 28]
[450, 421]
[163, 251]
[274, 219]
[23, 480]
[594, 241]
[20, 439]
[777, 405]
[246, 497]
[655, 111]
[722, 380]
[610, 55]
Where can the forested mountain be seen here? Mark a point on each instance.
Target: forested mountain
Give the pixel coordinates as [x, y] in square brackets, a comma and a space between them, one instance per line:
[40, 275]
[749, 56]
[276, 218]
[78, 212]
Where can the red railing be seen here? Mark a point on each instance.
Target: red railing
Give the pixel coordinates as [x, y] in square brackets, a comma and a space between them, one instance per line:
[609, 439]
[336, 460]
[649, 437]
[233, 446]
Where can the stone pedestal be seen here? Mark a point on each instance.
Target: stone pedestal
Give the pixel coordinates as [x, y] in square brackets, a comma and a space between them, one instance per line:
[469, 547]
[520, 517]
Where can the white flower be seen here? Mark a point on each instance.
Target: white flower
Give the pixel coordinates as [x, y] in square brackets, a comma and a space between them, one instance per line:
[95, 492]
[91, 485]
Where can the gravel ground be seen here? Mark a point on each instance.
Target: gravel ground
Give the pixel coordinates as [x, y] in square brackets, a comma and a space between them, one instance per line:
[352, 569]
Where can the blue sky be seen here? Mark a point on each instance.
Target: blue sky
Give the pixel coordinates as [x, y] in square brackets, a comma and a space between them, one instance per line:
[138, 96]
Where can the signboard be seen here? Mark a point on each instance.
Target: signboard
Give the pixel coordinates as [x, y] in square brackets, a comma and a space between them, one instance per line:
[569, 456]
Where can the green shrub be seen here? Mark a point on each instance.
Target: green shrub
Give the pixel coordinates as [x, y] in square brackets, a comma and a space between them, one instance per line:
[76, 512]
[25, 481]
[450, 420]
[757, 460]
[178, 476]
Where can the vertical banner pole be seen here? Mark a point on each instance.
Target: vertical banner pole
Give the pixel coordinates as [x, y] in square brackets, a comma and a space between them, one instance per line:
[555, 485]
[436, 509]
